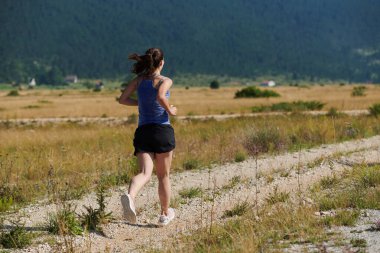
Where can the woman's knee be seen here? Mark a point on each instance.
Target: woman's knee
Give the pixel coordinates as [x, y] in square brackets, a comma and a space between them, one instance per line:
[162, 175]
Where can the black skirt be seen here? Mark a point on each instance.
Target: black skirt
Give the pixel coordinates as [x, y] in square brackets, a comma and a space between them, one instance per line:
[154, 138]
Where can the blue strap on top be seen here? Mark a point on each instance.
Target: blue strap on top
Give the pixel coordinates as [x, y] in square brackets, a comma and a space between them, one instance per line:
[150, 111]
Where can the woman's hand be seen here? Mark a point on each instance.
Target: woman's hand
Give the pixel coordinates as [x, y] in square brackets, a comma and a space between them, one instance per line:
[172, 110]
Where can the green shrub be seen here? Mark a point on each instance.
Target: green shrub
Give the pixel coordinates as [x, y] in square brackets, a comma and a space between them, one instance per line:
[5, 203]
[214, 84]
[290, 106]
[240, 156]
[264, 140]
[358, 188]
[347, 217]
[254, 92]
[88, 85]
[9, 196]
[13, 93]
[232, 183]
[329, 182]
[277, 197]
[374, 110]
[238, 210]
[64, 222]
[308, 105]
[189, 193]
[17, 237]
[31, 107]
[358, 91]
[358, 243]
[94, 217]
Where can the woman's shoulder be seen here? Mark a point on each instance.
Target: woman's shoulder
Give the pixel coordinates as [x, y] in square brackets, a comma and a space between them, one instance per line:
[167, 80]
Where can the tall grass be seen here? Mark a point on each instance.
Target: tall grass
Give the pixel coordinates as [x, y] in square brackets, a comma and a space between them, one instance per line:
[280, 223]
[358, 188]
[35, 161]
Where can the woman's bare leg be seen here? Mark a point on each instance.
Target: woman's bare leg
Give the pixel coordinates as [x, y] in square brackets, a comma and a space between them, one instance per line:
[163, 163]
[145, 163]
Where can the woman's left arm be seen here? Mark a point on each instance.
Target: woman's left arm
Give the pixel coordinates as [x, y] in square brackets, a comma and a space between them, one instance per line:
[125, 98]
[161, 97]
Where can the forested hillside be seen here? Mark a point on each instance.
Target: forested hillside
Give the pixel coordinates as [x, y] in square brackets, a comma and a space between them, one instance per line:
[335, 39]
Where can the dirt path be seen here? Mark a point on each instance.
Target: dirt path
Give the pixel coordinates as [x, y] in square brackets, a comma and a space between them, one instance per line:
[123, 120]
[280, 171]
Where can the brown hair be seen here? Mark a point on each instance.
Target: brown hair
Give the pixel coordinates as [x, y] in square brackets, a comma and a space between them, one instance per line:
[147, 63]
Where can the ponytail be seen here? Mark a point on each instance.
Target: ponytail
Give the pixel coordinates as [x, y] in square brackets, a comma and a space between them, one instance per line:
[146, 64]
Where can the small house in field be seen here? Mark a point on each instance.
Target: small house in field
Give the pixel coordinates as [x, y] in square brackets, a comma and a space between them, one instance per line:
[270, 83]
[71, 79]
[32, 83]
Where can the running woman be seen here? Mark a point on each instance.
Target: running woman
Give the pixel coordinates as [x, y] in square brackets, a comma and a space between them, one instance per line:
[154, 139]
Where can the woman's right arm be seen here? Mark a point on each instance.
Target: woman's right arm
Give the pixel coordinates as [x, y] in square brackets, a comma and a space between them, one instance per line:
[125, 98]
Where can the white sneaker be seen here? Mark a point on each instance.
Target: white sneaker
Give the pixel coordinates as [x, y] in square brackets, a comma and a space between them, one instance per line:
[166, 219]
[129, 208]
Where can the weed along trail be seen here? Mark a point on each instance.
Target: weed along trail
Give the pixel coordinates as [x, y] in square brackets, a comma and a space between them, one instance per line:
[205, 197]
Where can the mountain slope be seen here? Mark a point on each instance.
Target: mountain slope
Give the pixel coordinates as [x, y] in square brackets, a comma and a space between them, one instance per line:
[324, 38]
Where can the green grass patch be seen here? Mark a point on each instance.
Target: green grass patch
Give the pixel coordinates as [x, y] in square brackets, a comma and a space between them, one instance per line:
[5, 203]
[265, 231]
[240, 156]
[374, 110]
[329, 182]
[190, 193]
[13, 93]
[234, 181]
[342, 218]
[17, 237]
[10, 195]
[290, 106]
[44, 101]
[254, 92]
[358, 243]
[358, 91]
[64, 222]
[191, 164]
[31, 107]
[238, 210]
[276, 197]
[358, 188]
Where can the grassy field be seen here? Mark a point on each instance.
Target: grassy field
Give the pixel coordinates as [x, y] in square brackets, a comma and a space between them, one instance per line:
[68, 160]
[193, 101]
[36, 161]
[282, 222]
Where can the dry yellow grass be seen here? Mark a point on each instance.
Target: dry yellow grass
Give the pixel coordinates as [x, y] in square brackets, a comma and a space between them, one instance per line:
[76, 155]
[196, 101]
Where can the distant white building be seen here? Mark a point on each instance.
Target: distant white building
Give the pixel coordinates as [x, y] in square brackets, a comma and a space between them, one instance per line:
[270, 83]
[32, 83]
[71, 79]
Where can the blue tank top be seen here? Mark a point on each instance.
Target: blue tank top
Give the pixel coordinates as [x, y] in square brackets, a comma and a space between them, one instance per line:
[150, 111]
